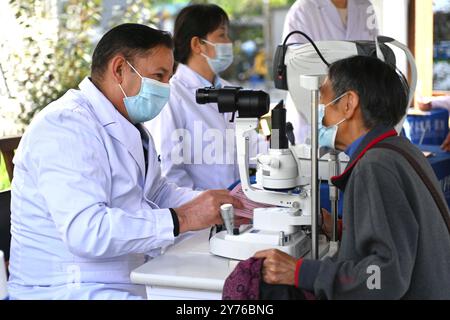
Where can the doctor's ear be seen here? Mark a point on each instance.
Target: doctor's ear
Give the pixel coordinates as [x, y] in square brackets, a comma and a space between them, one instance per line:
[352, 104]
[196, 44]
[116, 66]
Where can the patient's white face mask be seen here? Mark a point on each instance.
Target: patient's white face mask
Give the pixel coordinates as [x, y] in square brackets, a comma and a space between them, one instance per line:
[327, 135]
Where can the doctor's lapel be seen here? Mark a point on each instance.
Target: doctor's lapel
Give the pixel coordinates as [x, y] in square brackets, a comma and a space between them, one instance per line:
[356, 17]
[129, 136]
[151, 160]
[114, 123]
[332, 14]
[147, 144]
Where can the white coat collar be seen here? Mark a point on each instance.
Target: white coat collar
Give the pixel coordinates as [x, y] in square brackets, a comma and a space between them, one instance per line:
[114, 123]
[331, 13]
[192, 79]
[355, 9]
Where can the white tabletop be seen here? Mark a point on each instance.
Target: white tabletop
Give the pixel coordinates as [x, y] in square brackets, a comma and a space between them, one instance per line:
[187, 264]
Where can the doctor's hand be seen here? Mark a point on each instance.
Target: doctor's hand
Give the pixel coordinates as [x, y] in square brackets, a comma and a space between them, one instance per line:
[278, 267]
[204, 211]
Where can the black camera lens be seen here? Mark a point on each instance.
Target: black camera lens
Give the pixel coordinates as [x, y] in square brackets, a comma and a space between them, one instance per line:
[252, 103]
[248, 103]
[206, 95]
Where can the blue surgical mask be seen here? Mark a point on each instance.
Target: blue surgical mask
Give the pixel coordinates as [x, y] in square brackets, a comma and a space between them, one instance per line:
[150, 100]
[223, 59]
[327, 135]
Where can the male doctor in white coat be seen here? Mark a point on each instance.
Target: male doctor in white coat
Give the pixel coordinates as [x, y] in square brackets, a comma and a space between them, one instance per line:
[87, 195]
[325, 20]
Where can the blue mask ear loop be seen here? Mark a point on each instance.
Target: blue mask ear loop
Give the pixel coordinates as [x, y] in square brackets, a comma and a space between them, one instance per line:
[336, 99]
[134, 69]
[337, 124]
[332, 102]
[120, 86]
[211, 44]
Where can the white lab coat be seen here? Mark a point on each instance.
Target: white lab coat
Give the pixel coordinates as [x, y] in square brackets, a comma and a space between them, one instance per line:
[321, 21]
[210, 160]
[84, 213]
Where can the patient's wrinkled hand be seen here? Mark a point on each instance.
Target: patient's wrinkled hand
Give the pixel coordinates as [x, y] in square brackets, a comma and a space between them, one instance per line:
[327, 224]
[278, 267]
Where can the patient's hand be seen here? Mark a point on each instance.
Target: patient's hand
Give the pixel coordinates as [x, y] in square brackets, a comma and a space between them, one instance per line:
[278, 267]
[327, 224]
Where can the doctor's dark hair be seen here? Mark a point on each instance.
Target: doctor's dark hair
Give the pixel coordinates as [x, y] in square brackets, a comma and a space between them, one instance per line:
[195, 21]
[383, 91]
[129, 40]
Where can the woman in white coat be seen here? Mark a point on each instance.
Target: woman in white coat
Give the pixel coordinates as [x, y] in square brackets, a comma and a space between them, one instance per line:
[331, 20]
[326, 20]
[88, 201]
[196, 142]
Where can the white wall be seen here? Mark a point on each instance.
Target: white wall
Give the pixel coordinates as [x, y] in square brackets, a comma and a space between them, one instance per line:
[392, 18]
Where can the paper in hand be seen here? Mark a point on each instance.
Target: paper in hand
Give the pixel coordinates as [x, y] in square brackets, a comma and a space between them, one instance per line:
[248, 204]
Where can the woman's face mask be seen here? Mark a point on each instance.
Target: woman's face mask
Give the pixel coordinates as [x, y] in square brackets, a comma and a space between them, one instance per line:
[327, 135]
[224, 56]
[150, 100]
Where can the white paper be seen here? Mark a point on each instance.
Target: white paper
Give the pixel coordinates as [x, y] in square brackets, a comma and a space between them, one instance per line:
[249, 205]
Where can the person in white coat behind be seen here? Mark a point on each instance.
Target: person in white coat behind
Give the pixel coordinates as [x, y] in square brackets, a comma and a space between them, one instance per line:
[196, 142]
[88, 201]
[324, 20]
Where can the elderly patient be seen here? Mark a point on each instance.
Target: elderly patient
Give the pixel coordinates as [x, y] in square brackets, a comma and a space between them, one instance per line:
[395, 240]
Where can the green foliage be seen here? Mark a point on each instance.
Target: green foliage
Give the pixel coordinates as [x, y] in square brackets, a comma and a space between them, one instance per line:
[58, 48]
[4, 179]
[74, 47]
[241, 8]
[57, 51]
[135, 11]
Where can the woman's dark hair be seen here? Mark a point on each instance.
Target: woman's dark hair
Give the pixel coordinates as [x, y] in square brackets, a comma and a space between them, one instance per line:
[129, 39]
[195, 21]
[383, 91]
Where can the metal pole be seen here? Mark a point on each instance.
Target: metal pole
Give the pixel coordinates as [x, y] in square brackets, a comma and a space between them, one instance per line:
[334, 170]
[315, 203]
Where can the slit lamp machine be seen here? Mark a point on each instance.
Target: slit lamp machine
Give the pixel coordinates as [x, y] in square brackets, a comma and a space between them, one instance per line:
[289, 176]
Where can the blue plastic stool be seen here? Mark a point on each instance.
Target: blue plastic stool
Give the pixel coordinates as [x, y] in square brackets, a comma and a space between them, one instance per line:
[430, 128]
